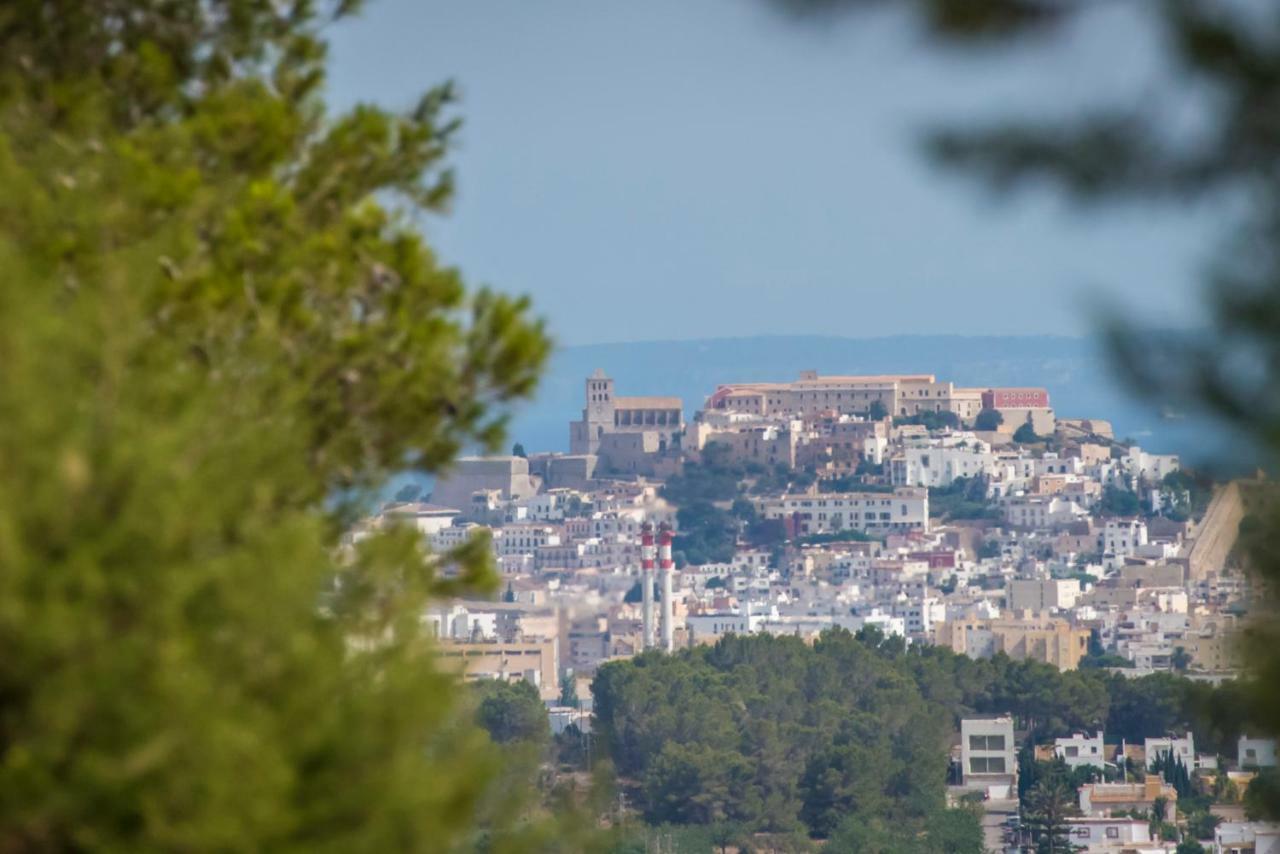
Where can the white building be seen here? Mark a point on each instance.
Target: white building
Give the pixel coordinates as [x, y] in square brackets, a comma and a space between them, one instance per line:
[1041, 512]
[1109, 834]
[932, 465]
[1043, 594]
[905, 509]
[512, 540]
[1054, 464]
[1123, 536]
[608, 523]
[1080, 750]
[427, 518]
[563, 717]
[704, 627]
[987, 751]
[887, 624]
[1256, 752]
[1183, 748]
[919, 616]
[457, 622]
[1246, 837]
[450, 538]
[543, 507]
[1151, 468]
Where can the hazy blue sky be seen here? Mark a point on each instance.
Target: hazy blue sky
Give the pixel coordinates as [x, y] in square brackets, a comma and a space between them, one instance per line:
[690, 168]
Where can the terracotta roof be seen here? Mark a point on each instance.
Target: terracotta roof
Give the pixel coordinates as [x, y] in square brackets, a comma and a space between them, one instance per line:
[870, 378]
[647, 403]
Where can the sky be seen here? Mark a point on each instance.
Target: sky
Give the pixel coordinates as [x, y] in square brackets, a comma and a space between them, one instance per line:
[677, 169]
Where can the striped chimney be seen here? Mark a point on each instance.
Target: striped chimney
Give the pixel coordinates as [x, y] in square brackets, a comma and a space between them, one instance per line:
[647, 552]
[668, 567]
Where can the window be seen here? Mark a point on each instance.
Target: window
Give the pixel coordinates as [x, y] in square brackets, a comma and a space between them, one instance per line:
[986, 765]
[1072, 752]
[1113, 833]
[986, 742]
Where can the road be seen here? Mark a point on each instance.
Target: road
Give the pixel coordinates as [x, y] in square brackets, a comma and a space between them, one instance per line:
[995, 812]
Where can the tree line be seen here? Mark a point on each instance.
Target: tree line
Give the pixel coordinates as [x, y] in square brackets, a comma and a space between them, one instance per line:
[849, 736]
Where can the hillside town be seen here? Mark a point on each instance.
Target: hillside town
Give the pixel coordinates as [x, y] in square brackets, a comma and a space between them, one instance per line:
[766, 427]
[975, 519]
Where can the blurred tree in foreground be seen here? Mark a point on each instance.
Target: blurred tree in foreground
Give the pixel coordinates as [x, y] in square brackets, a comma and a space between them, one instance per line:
[1223, 64]
[219, 332]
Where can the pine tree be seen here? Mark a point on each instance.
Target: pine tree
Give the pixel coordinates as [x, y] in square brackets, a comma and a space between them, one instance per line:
[1049, 804]
[218, 341]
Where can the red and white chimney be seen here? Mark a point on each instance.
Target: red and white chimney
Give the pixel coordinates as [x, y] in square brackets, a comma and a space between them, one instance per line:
[667, 566]
[647, 553]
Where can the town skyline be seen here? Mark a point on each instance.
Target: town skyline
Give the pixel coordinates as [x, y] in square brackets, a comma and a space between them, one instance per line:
[828, 516]
[717, 427]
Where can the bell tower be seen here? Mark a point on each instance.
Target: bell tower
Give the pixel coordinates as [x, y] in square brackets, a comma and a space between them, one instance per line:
[597, 415]
[599, 399]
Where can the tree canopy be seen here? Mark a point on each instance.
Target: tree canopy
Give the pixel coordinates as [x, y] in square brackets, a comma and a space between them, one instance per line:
[1025, 434]
[221, 333]
[988, 419]
[847, 737]
[773, 734]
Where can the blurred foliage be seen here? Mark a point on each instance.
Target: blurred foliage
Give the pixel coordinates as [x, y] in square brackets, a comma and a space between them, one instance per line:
[220, 332]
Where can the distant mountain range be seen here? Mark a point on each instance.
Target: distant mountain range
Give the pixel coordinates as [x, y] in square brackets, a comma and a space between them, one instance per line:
[1076, 371]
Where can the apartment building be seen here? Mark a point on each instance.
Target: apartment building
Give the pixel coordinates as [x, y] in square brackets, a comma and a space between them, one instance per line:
[988, 753]
[931, 465]
[1079, 750]
[1049, 639]
[1123, 536]
[904, 509]
[1041, 512]
[535, 661]
[512, 540]
[1042, 594]
[812, 394]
